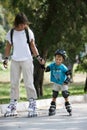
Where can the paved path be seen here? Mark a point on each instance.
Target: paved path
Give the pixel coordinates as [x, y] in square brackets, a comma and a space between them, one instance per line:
[78, 121]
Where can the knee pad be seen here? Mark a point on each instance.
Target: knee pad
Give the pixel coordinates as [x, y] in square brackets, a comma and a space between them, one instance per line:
[55, 94]
[65, 93]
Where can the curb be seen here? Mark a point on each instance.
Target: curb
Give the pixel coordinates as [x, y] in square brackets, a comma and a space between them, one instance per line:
[45, 103]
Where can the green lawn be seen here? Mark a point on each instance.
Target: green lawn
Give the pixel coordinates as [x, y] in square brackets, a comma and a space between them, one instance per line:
[74, 88]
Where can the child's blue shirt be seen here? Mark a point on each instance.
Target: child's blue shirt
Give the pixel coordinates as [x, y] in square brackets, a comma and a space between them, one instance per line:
[57, 73]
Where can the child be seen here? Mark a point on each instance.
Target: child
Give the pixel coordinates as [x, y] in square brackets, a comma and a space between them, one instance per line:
[59, 76]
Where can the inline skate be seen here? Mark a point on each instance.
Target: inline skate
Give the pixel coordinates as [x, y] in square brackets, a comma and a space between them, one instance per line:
[32, 108]
[11, 109]
[68, 108]
[52, 109]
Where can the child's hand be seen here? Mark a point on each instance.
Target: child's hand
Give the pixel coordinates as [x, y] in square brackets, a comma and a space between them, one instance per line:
[47, 69]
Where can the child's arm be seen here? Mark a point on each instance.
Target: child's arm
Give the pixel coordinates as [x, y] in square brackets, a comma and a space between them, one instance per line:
[46, 69]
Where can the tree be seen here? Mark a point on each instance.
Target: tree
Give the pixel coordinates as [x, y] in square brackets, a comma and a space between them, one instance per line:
[62, 26]
[82, 66]
[2, 28]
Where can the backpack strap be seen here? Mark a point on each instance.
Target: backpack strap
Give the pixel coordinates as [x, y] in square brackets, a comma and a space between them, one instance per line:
[11, 34]
[27, 36]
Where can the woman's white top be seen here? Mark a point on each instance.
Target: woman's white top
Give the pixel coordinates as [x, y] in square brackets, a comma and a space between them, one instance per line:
[21, 50]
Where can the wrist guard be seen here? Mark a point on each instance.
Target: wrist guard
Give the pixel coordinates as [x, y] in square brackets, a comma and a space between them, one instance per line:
[5, 62]
[67, 80]
[38, 58]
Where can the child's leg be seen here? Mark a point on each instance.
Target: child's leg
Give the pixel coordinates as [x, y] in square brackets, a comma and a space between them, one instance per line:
[68, 107]
[65, 94]
[52, 109]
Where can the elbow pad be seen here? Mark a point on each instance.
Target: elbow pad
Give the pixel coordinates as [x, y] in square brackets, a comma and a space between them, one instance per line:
[68, 72]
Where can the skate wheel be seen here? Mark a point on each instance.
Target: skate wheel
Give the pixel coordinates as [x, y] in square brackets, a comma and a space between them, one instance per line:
[35, 115]
[51, 114]
[10, 114]
[70, 114]
[5, 115]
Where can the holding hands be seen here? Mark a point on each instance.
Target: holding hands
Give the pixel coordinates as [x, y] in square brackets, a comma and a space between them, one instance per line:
[5, 62]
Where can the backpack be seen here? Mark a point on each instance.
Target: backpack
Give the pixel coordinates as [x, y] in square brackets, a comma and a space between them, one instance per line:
[27, 36]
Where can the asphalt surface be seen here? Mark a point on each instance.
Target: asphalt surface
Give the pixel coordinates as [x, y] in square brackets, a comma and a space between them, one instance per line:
[60, 121]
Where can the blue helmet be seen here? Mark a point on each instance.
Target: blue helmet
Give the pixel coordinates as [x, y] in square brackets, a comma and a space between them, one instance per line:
[62, 53]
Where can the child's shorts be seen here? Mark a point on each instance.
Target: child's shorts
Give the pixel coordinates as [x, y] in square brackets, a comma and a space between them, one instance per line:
[58, 87]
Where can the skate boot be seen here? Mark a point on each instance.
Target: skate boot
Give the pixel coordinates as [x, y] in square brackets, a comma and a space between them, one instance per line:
[32, 108]
[68, 108]
[11, 109]
[52, 109]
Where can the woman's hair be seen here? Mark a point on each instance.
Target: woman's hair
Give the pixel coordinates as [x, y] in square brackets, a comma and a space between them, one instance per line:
[20, 19]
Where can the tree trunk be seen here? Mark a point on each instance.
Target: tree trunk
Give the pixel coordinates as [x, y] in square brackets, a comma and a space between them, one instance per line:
[38, 78]
[85, 88]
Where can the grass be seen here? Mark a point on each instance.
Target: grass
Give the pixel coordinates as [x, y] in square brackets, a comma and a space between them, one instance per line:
[74, 88]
